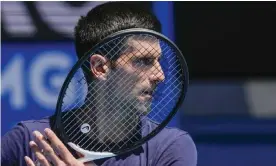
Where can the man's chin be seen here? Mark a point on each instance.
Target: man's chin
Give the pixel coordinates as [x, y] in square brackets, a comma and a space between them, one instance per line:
[144, 107]
[145, 98]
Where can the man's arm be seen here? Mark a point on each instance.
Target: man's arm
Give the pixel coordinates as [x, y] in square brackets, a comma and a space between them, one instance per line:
[181, 152]
[13, 146]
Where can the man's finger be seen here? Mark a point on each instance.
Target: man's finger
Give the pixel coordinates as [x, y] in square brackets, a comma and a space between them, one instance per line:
[29, 161]
[34, 146]
[48, 151]
[59, 146]
[40, 157]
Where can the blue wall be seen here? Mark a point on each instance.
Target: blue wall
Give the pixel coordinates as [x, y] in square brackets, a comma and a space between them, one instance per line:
[32, 74]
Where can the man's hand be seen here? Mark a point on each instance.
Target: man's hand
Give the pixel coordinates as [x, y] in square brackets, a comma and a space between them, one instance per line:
[46, 152]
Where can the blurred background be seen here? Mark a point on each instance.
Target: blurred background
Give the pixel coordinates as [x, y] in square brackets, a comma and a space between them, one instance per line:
[230, 108]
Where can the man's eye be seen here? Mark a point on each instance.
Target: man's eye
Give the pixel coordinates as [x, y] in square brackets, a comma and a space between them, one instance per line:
[143, 62]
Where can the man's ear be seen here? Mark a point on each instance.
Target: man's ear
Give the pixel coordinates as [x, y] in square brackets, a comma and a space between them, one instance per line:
[99, 66]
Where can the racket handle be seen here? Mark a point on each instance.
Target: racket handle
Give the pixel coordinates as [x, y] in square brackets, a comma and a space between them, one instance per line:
[90, 155]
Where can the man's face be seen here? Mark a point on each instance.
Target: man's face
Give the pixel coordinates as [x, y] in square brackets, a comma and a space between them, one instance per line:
[124, 88]
[137, 72]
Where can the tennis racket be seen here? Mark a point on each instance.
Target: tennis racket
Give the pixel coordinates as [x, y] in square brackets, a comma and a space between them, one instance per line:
[130, 80]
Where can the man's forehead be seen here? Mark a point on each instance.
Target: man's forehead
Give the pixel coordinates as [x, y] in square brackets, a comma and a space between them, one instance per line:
[144, 47]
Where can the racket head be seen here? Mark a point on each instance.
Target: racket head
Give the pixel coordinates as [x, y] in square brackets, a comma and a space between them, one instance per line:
[170, 54]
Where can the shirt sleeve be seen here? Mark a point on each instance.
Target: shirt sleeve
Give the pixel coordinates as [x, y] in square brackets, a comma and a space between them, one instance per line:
[181, 152]
[14, 146]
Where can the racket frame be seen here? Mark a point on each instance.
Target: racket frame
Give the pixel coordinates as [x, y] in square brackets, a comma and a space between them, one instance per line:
[57, 126]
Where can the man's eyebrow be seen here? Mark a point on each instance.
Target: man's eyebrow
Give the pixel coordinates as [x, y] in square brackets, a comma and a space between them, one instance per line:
[147, 55]
[129, 48]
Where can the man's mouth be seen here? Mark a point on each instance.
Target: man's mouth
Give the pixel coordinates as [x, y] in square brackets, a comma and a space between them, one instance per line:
[147, 92]
[145, 95]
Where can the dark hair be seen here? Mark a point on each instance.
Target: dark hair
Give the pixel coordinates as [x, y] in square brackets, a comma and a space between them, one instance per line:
[108, 18]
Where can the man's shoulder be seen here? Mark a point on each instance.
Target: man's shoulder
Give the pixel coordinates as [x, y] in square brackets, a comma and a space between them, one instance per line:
[175, 136]
[44, 120]
[174, 131]
[167, 131]
[172, 144]
[36, 124]
[169, 135]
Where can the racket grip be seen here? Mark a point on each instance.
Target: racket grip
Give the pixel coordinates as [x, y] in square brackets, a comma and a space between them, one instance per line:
[90, 155]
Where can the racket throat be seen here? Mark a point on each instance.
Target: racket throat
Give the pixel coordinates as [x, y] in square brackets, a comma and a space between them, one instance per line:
[90, 155]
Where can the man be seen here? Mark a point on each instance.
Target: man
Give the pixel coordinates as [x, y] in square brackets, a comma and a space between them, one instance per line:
[25, 143]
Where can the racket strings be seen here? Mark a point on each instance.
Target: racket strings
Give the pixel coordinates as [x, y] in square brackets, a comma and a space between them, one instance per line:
[156, 114]
[89, 68]
[142, 120]
[118, 127]
[110, 129]
[163, 106]
[86, 66]
[81, 117]
[75, 105]
[117, 114]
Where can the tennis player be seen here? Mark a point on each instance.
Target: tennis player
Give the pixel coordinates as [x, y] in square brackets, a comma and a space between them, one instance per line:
[25, 143]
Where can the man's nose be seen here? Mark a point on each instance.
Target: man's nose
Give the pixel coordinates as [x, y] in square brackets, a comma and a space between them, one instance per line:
[157, 75]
